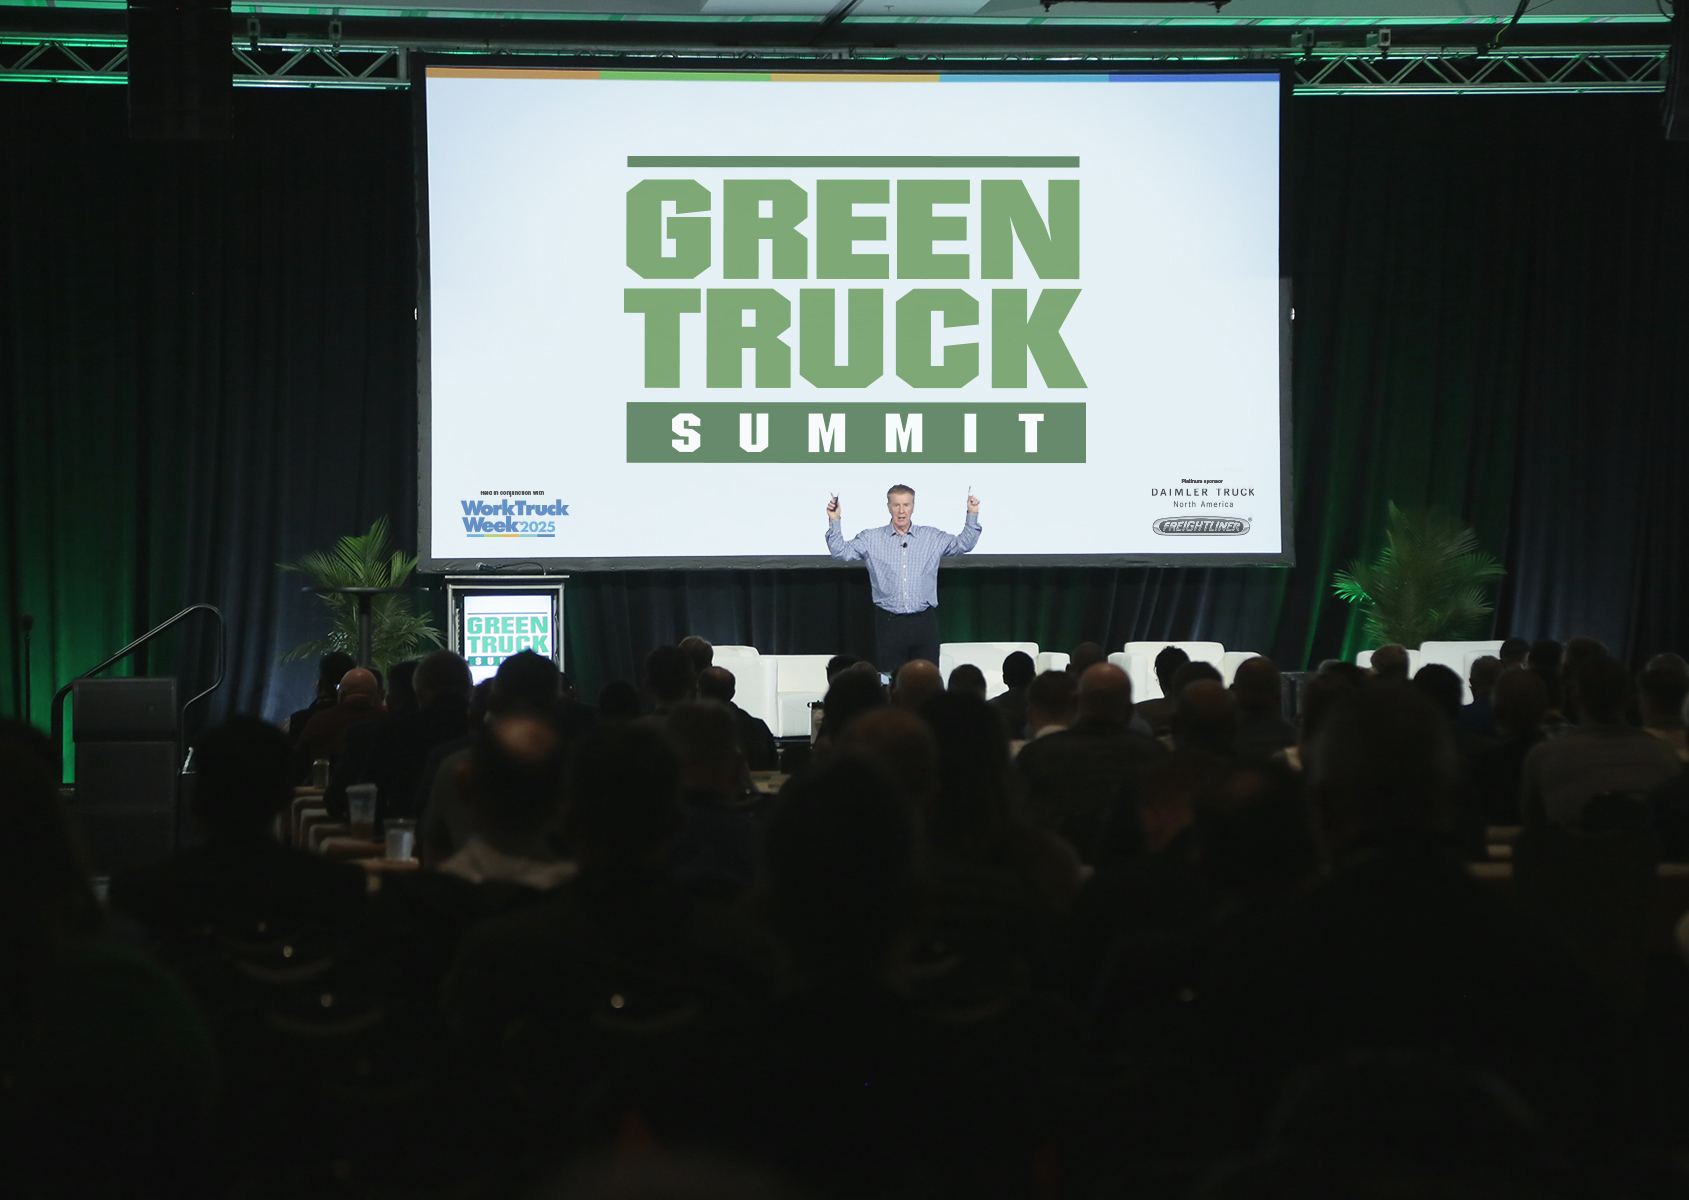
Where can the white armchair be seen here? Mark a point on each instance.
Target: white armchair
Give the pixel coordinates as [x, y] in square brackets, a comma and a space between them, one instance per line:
[987, 656]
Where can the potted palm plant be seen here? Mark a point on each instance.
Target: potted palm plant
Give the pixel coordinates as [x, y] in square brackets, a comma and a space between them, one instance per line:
[1430, 582]
[398, 632]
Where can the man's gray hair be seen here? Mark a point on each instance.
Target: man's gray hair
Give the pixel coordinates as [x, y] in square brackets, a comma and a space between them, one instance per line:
[899, 487]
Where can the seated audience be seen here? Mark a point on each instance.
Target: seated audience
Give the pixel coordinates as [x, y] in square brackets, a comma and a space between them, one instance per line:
[239, 876]
[1468, 827]
[1603, 756]
[359, 700]
[1315, 700]
[851, 694]
[1514, 652]
[756, 740]
[841, 1085]
[914, 682]
[969, 680]
[109, 1078]
[1018, 673]
[1158, 713]
[1052, 704]
[1368, 961]
[401, 687]
[574, 719]
[618, 703]
[624, 915]
[973, 818]
[1085, 656]
[699, 652]
[331, 669]
[1477, 716]
[1661, 692]
[1262, 730]
[1544, 658]
[1072, 777]
[840, 662]
[392, 751]
[513, 786]
[1520, 698]
[1205, 719]
[718, 844]
[1390, 661]
[669, 678]
[1147, 888]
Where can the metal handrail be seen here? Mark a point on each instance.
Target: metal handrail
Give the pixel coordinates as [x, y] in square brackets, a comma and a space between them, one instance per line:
[57, 725]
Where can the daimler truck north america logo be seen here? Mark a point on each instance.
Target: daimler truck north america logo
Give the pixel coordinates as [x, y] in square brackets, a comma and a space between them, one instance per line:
[512, 517]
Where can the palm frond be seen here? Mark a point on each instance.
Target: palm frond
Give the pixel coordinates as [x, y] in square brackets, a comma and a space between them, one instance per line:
[1429, 582]
[398, 631]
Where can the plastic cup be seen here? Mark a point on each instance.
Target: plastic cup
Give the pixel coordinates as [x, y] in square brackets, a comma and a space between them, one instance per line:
[319, 773]
[401, 839]
[360, 807]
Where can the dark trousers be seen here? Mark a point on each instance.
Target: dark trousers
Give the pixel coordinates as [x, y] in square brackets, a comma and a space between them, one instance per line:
[904, 637]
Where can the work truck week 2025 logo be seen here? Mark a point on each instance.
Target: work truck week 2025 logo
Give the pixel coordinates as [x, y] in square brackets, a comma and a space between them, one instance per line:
[792, 329]
[508, 517]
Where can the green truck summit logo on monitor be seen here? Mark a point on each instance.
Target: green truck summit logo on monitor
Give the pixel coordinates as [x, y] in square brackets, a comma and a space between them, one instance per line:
[671, 236]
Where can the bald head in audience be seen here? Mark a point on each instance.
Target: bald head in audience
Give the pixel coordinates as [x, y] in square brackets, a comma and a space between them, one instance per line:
[916, 681]
[1390, 661]
[1105, 695]
[359, 684]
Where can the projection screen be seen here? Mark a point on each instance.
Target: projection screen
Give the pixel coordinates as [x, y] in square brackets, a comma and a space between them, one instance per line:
[665, 316]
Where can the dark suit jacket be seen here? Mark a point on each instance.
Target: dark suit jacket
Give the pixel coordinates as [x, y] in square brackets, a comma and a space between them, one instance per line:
[1012, 704]
[240, 880]
[756, 740]
[1157, 713]
[1073, 778]
[391, 753]
[1262, 734]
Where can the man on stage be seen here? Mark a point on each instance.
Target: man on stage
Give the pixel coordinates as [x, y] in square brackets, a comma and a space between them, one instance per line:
[902, 560]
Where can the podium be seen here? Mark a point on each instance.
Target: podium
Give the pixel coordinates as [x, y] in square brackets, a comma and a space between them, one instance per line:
[128, 765]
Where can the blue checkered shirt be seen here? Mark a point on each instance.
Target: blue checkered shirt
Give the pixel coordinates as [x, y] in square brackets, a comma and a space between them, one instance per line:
[903, 567]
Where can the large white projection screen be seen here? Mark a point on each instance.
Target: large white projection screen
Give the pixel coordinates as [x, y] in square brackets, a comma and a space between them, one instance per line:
[666, 316]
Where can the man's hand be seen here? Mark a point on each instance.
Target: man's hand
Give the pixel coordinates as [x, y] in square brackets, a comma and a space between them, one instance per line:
[973, 505]
[833, 509]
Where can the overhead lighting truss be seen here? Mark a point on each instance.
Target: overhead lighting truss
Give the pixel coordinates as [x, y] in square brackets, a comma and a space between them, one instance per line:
[1320, 70]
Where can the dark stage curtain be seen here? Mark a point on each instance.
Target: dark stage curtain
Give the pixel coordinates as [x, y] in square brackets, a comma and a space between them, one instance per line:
[206, 367]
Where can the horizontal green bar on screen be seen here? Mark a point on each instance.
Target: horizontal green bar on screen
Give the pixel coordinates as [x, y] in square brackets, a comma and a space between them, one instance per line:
[1025, 431]
[852, 160]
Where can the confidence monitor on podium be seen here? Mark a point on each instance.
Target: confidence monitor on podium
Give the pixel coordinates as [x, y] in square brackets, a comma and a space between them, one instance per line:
[489, 618]
[665, 313]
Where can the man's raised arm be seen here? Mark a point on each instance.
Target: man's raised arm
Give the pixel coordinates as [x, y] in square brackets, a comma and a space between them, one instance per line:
[961, 543]
[840, 549]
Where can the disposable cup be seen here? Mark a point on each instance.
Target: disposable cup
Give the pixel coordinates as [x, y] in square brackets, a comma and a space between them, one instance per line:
[401, 839]
[360, 806]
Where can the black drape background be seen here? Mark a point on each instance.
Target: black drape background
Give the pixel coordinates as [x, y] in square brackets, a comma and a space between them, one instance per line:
[207, 367]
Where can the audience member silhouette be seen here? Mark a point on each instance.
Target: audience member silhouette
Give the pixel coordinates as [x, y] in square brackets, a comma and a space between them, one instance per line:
[669, 678]
[698, 652]
[512, 786]
[1603, 756]
[618, 703]
[756, 740]
[1052, 704]
[1478, 716]
[1073, 777]
[1661, 692]
[525, 683]
[239, 877]
[1018, 672]
[1390, 661]
[1370, 959]
[392, 751]
[851, 694]
[331, 669]
[1519, 701]
[359, 700]
[969, 680]
[914, 682]
[401, 686]
[719, 845]
[1205, 719]
[1157, 713]
[109, 1077]
[1262, 730]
